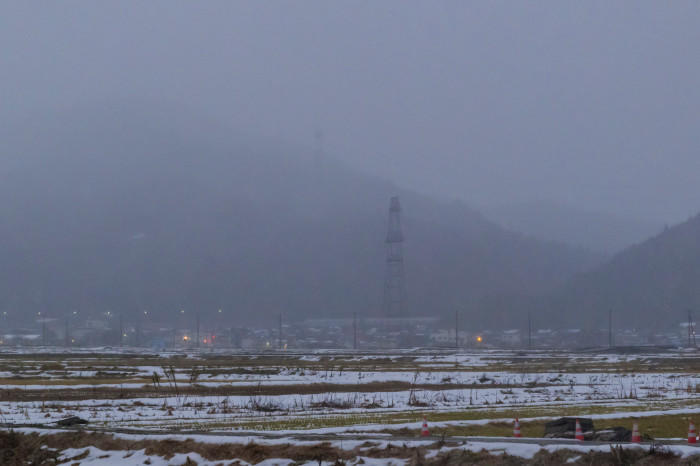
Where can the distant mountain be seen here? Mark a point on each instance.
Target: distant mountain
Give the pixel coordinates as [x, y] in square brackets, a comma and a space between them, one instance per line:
[596, 231]
[650, 285]
[130, 208]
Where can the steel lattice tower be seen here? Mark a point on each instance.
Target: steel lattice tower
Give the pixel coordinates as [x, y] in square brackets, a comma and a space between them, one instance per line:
[394, 289]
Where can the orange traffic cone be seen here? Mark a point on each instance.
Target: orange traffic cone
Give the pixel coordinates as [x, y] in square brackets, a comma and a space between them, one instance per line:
[424, 432]
[692, 435]
[579, 432]
[516, 428]
[636, 438]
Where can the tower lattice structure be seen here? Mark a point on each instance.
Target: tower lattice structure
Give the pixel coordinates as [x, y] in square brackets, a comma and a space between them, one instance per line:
[394, 286]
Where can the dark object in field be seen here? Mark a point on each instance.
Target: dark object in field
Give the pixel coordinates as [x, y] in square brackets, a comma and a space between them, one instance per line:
[71, 421]
[614, 434]
[565, 427]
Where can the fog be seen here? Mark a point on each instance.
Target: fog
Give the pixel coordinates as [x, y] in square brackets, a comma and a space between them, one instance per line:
[241, 155]
[592, 104]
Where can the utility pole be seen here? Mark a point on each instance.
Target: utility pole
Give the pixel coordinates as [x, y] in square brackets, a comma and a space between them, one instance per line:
[354, 330]
[121, 331]
[456, 329]
[197, 317]
[529, 330]
[279, 332]
[691, 330]
[43, 333]
[142, 327]
[67, 339]
[610, 333]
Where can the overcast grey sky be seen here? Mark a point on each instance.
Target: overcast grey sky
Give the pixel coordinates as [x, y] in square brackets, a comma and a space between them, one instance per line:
[593, 104]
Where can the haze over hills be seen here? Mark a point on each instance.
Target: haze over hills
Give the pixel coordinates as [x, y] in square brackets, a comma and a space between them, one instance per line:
[647, 286]
[597, 231]
[126, 210]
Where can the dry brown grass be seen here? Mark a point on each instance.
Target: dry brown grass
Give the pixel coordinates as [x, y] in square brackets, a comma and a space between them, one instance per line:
[271, 362]
[149, 391]
[16, 449]
[662, 426]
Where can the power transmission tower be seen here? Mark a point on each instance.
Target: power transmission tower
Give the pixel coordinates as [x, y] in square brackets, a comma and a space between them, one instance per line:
[394, 288]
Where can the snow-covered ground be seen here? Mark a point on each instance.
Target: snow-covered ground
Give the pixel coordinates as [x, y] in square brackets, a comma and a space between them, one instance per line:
[524, 448]
[98, 457]
[277, 398]
[422, 381]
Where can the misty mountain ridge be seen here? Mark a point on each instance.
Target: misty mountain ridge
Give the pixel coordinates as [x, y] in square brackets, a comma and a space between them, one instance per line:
[597, 231]
[651, 285]
[127, 210]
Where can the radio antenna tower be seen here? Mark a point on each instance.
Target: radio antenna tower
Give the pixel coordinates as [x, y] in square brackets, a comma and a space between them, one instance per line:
[394, 290]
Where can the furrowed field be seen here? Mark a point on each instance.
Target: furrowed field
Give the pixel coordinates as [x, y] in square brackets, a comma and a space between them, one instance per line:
[340, 406]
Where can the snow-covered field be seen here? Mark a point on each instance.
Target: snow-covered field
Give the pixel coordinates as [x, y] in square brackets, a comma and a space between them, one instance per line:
[96, 456]
[321, 393]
